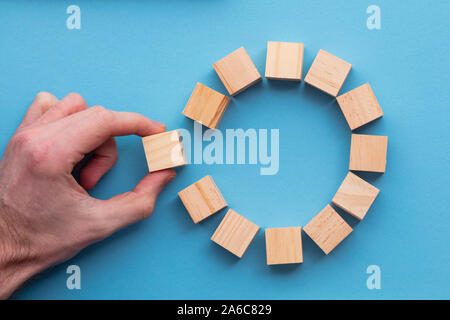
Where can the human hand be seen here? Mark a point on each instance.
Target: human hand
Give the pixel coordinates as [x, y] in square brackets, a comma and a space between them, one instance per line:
[46, 216]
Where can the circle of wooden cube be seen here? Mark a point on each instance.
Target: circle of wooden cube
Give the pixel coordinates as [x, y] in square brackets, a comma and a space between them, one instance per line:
[202, 199]
[206, 106]
[284, 61]
[355, 196]
[359, 106]
[368, 153]
[237, 71]
[328, 73]
[327, 229]
[235, 233]
[164, 150]
[284, 245]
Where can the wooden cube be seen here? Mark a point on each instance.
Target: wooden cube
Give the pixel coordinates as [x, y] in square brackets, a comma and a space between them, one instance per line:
[327, 229]
[237, 71]
[235, 233]
[284, 245]
[355, 196]
[328, 73]
[368, 153]
[284, 61]
[202, 199]
[164, 150]
[206, 106]
[359, 106]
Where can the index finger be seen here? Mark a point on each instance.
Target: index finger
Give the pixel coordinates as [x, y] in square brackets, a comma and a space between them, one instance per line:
[87, 130]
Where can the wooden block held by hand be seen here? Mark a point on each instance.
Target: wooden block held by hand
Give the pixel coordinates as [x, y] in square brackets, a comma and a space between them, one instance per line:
[284, 61]
[206, 106]
[237, 71]
[164, 150]
[359, 106]
[328, 73]
[327, 229]
[355, 196]
[202, 199]
[235, 233]
[368, 153]
[284, 245]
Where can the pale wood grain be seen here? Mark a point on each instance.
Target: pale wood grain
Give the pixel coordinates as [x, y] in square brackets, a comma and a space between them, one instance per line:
[164, 150]
[235, 233]
[355, 196]
[328, 73]
[237, 71]
[368, 153]
[327, 229]
[202, 199]
[206, 106]
[359, 106]
[284, 61]
[284, 245]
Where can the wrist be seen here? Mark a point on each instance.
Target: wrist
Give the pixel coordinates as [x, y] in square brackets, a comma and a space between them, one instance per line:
[16, 263]
[13, 275]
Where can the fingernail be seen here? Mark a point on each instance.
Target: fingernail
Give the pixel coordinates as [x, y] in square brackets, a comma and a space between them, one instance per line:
[172, 175]
[161, 125]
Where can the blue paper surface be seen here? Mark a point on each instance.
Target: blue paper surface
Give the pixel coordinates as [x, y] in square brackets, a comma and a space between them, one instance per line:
[146, 57]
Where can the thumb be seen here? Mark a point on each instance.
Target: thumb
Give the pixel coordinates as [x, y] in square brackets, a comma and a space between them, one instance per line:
[137, 204]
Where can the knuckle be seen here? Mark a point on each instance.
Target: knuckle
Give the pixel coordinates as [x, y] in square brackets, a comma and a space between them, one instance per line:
[103, 115]
[38, 155]
[44, 96]
[76, 98]
[23, 139]
[148, 214]
[149, 207]
[98, 109]
[145, 205]
[75, 95]
[45, 99]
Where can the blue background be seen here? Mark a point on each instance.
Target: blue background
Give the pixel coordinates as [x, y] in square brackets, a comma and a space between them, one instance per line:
[146, 56]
